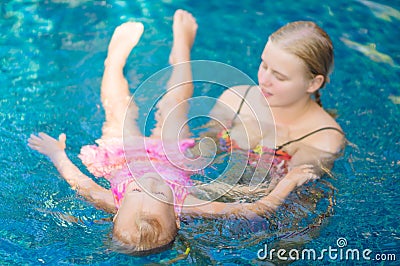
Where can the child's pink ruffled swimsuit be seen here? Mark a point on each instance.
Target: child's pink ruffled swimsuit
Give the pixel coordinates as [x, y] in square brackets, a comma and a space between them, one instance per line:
[110, 159]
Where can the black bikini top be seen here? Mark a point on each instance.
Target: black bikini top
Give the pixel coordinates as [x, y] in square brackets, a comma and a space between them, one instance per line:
[291, 141]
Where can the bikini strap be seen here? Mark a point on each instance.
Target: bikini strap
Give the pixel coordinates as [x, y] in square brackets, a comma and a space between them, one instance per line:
[242, 102]
[309, 134]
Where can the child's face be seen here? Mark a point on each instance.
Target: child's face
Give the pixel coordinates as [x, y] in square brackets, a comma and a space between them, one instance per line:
[149, 196]
[153, 186]
[282, 76]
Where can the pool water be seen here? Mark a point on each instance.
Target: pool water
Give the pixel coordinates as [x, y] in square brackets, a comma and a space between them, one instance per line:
[51, 61]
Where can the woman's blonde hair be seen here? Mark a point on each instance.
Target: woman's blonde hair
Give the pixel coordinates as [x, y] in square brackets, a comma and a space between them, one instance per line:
[311, 44]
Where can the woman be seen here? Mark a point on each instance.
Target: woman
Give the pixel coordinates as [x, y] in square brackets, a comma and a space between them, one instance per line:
[284, 116]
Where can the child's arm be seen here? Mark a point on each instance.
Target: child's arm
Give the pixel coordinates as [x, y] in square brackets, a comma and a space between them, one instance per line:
[295, 178]
[100, 197]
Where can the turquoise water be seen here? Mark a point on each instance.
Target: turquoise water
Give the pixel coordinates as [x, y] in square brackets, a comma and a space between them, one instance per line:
[51, 55]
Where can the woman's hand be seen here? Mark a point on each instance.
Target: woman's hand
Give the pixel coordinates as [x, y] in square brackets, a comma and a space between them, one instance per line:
[301, 174]
[47, 145]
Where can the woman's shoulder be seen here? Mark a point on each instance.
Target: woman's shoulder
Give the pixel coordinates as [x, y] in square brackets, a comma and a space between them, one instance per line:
[234, 96]
[326, 119]
[327, 135]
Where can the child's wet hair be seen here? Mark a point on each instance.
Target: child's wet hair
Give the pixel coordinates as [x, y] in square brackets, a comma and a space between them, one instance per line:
[148, 240]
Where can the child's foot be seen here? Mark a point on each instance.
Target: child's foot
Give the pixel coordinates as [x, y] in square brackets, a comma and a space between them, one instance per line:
[184, 32]
[125, 37]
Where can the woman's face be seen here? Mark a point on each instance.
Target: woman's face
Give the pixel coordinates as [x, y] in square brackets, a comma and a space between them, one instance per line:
[149, 196]
[282, 77]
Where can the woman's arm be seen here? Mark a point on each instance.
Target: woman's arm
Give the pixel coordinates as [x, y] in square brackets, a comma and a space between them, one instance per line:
[295, 178]
[196, 206]
[100, 197]
[322, 160]
[269, 203]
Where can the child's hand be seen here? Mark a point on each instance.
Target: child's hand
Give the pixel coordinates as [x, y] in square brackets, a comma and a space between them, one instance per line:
[47, 145]
[301, 174]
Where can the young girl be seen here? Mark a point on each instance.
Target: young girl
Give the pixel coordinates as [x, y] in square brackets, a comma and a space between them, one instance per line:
[291, 123]
[148, 187]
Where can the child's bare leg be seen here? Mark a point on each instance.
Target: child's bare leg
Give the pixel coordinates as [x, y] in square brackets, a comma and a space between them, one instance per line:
[180, 86]
[115, 94]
